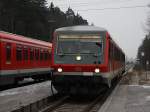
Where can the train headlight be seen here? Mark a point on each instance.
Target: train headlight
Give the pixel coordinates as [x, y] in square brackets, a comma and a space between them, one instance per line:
[97, 70]
[78, 58]
[59, 69]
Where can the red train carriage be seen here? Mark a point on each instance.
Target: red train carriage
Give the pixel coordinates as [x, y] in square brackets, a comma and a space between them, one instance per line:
[84, 58]
[22, 57]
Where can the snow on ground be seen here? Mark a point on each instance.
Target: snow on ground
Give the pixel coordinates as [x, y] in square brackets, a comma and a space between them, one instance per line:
[129, 97]
[17, 97]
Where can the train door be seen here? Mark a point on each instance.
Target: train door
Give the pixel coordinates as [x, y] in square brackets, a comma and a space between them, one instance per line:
[110, 56]
[113, 59]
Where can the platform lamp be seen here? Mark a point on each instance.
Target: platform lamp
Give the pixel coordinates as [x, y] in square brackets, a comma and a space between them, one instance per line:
[142, 55]
[146, 63]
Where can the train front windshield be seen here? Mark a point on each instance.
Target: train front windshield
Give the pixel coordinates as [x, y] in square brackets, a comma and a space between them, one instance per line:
[79, 44]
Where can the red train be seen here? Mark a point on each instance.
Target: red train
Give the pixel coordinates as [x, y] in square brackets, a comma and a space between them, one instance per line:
[22, 57]
[84, 59]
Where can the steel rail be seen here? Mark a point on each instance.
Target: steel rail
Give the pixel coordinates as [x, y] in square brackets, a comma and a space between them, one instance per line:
[55, 105]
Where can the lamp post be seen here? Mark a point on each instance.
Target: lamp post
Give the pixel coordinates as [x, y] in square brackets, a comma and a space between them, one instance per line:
[142, 55]
[146, 64]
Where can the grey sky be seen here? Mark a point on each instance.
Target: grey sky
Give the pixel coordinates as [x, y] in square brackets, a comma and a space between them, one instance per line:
[126, 25]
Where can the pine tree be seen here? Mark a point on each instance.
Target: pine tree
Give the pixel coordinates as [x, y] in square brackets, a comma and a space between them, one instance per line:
[32, 18]
[143, 51]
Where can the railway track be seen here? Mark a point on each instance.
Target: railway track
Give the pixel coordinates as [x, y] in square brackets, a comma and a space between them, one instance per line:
[60, 103]
[69, 104]
[55, 104]
[79, 104]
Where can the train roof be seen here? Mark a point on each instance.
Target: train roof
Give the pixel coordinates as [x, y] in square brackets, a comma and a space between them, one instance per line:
[81, 28]
[20, 38]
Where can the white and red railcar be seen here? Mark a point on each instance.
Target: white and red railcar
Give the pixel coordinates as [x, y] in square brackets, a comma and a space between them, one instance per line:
[84, 58]
[22, 57]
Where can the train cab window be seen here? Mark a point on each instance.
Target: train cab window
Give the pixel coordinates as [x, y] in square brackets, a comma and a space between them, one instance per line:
[8, 53]
[41, 54]
[25, 53]
[37, 54]
[19, 53]
[31, 54]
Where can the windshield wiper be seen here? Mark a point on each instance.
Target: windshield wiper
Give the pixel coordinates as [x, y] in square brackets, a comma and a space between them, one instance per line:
[61, 54]
[98, 44]
[95, 55]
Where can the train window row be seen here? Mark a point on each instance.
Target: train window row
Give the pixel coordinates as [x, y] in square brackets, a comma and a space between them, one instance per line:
[26, 53]
[115, 53]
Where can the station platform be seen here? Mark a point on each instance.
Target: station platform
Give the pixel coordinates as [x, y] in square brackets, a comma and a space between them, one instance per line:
[131, 95]
[13, 99]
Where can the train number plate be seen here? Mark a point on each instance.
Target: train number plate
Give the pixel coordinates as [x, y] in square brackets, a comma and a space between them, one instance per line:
[88, 73]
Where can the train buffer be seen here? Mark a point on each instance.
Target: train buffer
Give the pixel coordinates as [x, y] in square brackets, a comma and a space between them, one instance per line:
[132, 94]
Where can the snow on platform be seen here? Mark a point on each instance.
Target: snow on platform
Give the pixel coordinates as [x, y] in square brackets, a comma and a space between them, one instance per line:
[14, 98]
[131, 97]
[128, 98]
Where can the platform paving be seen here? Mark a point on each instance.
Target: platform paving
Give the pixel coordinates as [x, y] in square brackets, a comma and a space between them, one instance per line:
[131, 96]
[15, 98]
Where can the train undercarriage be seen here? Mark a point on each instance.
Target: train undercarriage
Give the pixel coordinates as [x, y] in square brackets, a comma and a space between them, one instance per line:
[82, 85]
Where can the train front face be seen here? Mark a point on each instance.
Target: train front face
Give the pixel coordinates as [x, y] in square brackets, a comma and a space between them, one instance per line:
[78, 59]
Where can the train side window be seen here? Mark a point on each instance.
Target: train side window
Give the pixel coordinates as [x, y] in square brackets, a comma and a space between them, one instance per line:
[37, 54]
[25, 53]
[49, 54]
[8, 54]
[116, 53]
[46, 55]
[19, 53]
[41, 54]
[31, 54]
[111, 51]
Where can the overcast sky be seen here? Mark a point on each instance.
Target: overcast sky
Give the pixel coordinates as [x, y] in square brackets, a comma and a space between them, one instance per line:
[125, 24]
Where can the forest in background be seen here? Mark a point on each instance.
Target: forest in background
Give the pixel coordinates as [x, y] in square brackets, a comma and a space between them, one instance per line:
[143, 55]
[34, 19]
